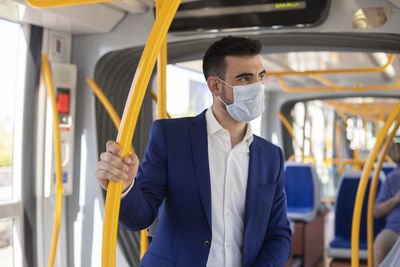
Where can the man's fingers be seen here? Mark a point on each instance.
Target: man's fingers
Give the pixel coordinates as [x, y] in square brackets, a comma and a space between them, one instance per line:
[131, 159]
[114, 161]
[103, 183]
[113, 147]
[105, 175]
[110, 172]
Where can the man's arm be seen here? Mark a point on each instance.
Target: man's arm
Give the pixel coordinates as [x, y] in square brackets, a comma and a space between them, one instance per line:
[141, 195]
[384, 208]
[277, 244]
[139, 207]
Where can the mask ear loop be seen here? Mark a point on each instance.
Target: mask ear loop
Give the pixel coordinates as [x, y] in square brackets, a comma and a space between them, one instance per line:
[220, 99]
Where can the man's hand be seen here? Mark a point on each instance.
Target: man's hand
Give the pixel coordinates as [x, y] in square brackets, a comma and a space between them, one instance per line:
[112, 168]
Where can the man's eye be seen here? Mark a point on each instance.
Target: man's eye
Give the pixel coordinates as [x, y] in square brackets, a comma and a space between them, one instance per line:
[261, 76]
[243, 79]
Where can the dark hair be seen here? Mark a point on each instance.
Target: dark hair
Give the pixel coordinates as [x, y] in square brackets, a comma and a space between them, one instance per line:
[214, 59]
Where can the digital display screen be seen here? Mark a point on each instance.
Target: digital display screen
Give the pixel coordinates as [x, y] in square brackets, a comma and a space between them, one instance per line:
[209, 15]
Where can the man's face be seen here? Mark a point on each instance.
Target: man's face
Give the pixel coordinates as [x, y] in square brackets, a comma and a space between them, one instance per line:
[241, 70]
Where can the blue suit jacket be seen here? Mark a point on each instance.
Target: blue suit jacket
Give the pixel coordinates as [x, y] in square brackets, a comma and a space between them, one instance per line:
[174, 173]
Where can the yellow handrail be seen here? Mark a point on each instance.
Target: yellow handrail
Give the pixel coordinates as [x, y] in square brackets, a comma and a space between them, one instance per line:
[155, 98]
[355, 70]
[128, 124]
[355, 233]
[161, 73]
[372, 194]
[144, 242]
[57, 151]
[290, 130]
[336, 88]
[61, 3]
[104, 100]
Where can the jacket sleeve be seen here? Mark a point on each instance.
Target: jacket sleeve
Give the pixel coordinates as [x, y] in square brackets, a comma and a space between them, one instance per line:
[277, 243]
[139, 207]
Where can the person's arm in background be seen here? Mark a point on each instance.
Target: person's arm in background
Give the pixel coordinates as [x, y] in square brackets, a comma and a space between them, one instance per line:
[383, 208]
[277, 244]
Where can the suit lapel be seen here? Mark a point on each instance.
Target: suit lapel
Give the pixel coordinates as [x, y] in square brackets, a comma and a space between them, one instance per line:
[251, 198]
[198, 138]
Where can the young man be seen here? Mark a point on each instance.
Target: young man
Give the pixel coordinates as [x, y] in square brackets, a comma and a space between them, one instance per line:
[387, 205]
[220, 187]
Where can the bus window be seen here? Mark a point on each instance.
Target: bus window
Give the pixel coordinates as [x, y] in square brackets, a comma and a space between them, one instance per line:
[187, 91]
[12, 71]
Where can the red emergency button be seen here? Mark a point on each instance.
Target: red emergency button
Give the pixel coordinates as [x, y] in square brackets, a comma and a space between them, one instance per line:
[63, 103]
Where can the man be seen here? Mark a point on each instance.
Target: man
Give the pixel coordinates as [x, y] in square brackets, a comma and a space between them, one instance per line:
[387, 205]
[220, 187]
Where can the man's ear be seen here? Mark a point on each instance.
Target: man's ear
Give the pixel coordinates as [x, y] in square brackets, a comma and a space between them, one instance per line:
[214, 85]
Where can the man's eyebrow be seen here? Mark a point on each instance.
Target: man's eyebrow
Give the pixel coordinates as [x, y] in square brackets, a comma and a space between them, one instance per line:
[243, 75]
[246, 74]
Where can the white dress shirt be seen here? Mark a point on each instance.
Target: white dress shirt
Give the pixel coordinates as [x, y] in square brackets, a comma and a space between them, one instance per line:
[228, 179]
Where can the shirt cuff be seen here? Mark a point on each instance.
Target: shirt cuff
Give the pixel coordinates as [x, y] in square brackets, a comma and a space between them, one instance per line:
[129, 189]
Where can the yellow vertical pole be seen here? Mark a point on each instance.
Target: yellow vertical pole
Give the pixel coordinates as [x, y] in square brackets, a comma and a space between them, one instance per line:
[372, 194]
[355, 233]
[128, 124]
[356, 158]
[338, 142]
[57, 151]
[116, 120]
[161, 73]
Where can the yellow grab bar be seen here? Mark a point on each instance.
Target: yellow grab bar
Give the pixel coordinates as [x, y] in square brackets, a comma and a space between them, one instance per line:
[57, 151]
[155, 98]
[355, 70]
[60, 3]
[161, 73]
[372, 194]
[106, 103]
[128, 124]
[144, 242]
[355, 233]
[290, 130]
[337, 88]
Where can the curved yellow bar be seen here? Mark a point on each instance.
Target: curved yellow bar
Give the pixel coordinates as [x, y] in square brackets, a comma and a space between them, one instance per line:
[355, 233]
[104, 100]
[337, 88]
[144, 242]
[290, 130]
[355, 70]
[60, 3]
[128, 124]
[57, 151]
[372, 195]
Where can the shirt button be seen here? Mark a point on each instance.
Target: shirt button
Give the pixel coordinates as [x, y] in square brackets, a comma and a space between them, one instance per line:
[206, 243]
[227, 214]
[228, 246]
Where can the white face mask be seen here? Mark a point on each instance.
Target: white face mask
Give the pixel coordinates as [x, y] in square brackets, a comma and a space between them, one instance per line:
[248, 101]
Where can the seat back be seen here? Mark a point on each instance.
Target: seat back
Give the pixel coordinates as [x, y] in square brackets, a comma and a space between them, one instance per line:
[346, 196]
[388, 168]
[302, 191]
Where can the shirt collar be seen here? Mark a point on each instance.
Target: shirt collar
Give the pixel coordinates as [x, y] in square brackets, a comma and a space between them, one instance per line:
[213, 126]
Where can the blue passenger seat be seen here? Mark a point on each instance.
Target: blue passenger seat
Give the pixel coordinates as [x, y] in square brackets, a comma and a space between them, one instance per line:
[302, 191]
[340, 246]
